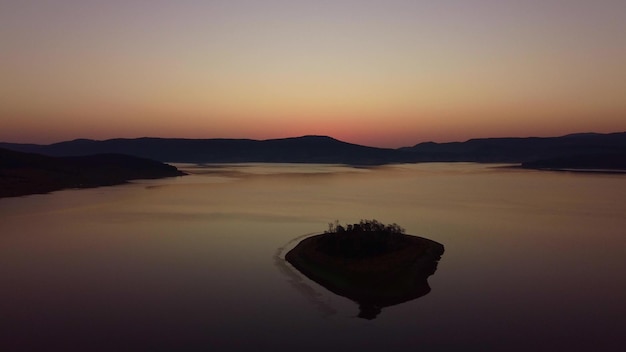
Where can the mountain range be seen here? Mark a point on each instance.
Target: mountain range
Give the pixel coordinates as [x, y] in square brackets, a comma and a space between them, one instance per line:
[34, 168]
[322, 149]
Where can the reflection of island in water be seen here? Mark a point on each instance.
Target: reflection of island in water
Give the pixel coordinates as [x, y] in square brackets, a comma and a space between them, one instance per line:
[370, 263]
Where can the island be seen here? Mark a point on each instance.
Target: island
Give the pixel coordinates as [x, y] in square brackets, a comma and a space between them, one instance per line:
[28, 173]
[373, 264]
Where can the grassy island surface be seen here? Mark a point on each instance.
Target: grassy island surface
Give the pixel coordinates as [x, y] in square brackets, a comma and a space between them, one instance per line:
[374, 264]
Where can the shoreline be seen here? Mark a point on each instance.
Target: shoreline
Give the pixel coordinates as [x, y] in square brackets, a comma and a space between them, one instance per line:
[575, 170]
[23, 174]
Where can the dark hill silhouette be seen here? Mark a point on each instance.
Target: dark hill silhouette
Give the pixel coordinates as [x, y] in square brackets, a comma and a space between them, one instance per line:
[321, 149]
[519, 150]
[27, 173]
[307, 149]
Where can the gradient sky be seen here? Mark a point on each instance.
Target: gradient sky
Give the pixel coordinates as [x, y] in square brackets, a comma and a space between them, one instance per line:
[384, 73]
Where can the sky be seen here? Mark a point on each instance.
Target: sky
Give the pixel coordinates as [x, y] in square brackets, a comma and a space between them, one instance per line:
[380, 73]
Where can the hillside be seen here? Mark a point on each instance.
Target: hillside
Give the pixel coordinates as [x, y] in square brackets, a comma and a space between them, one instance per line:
[321, 149]
[519, 150]
[27, 173]
[307, 149]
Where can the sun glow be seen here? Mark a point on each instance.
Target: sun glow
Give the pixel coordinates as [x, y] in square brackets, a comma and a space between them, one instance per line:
[386, 73]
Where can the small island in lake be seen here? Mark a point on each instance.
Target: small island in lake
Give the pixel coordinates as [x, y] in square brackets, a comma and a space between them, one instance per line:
[373, 264]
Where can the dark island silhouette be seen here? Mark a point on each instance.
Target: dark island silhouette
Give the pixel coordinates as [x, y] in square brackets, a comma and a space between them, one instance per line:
[373, 264]
[27, 173]
[322, 149]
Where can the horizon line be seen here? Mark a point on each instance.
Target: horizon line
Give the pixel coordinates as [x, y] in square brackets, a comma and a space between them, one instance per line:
[309, 136]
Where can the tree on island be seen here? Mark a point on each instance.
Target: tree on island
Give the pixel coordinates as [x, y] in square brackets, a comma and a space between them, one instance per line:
[363, 239]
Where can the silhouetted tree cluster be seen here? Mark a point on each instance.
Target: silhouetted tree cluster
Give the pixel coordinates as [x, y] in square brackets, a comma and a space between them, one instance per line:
[363, 239]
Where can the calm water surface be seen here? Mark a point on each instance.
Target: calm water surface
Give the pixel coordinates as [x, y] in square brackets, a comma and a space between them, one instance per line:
[534, 261]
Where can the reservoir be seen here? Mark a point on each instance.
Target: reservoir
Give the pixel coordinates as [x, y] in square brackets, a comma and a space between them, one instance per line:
[534, 261]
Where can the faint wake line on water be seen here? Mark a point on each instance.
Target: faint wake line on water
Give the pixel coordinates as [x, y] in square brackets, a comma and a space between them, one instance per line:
[297, 281]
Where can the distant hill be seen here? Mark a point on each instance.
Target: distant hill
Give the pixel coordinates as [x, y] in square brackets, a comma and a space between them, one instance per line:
[27, 173]
[307, 149]
[321, 149]
[519, 150]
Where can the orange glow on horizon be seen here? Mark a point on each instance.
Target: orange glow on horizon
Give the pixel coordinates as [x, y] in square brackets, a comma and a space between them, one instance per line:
[389, 74]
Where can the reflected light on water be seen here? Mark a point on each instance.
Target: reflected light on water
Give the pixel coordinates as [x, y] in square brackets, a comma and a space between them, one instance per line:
[534, 260]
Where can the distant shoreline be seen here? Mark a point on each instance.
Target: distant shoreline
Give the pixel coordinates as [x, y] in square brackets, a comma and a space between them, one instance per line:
[576, 170]
[23, 174]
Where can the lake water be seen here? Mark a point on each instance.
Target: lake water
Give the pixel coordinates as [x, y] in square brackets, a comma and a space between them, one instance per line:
[534, 261]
